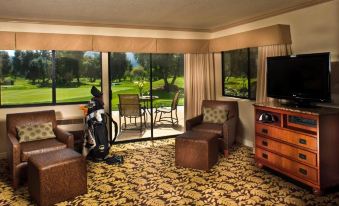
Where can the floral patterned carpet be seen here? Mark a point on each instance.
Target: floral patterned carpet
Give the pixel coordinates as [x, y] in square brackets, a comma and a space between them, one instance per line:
[149, 177]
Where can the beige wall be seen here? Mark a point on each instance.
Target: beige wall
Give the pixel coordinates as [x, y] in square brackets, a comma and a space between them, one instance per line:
[313, 29]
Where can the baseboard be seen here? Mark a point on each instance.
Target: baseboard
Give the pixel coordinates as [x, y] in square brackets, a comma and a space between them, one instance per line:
[3, 155]
[247, 143]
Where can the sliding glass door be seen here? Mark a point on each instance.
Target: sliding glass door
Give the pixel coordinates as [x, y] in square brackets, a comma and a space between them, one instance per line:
[168, 94]
[156, 83]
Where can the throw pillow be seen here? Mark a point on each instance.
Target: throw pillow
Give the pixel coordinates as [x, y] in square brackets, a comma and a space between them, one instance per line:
[215, 115]
[34, 132]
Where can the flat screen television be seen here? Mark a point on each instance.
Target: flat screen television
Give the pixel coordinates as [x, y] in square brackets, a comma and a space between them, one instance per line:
[303, 78]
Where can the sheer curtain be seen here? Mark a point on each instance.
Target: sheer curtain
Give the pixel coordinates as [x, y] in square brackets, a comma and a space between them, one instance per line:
[263, 53]
[199, 82]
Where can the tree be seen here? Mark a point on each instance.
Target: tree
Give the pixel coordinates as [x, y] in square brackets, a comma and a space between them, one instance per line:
[36, 70]
[164, 66]
[6, 63]
[91, 68]
[118, 66]
[138, 73]
[47, 62]
[27, 57]
[76, 56]
[64, 75]
[17, 63]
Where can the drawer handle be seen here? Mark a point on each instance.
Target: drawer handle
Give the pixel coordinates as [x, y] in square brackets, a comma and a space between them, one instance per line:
[264, 155]
[302, 141]
[303, 171]
[265, 131]
[302, 156]
[264, 143]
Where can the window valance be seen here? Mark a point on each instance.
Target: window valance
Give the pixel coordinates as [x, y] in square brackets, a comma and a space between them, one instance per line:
[272, 35]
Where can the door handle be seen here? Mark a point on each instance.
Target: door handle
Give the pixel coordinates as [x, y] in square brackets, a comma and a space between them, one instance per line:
[302, 141]
[265, 131]
[302, 156]
[303, 171]
[264, 143]
[264, 155]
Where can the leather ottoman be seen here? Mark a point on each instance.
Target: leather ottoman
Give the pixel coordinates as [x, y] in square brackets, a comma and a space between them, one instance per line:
[56, 176]
[198, 150]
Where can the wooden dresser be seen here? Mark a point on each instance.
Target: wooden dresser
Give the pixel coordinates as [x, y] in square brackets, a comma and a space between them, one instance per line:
[300, 143]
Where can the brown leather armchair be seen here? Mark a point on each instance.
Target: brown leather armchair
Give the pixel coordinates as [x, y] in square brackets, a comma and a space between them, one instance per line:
[227, 130]
[18, 153]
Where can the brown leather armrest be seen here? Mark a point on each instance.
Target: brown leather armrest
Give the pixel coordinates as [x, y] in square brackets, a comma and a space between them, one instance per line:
[64, 137]
[190, 123]
[229, 131]
[13, 152]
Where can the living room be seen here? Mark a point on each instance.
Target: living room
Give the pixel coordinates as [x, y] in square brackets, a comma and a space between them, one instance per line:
[304, 26]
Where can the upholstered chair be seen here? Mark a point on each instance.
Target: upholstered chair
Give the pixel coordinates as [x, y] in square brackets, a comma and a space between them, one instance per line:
[226, 129]
[19, 151]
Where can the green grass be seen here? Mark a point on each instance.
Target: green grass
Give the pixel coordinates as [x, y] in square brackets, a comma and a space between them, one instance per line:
[23, 92]
[237, 86]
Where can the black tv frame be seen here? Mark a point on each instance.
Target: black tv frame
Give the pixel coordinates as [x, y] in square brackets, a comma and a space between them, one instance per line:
[300, 101]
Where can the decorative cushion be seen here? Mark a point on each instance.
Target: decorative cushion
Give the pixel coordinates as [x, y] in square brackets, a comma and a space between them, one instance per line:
[29, 133]
[215, 115]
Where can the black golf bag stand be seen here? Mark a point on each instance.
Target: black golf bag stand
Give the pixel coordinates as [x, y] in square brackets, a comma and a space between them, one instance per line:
[97, 141]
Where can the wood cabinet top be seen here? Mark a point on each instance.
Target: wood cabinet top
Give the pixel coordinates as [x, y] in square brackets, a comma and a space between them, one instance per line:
[311, 110]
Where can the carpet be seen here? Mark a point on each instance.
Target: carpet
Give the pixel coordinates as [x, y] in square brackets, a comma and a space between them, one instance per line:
[149, 177]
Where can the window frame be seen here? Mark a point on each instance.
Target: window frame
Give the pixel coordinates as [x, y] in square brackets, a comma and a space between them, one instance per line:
[53, 87]
[248, 75]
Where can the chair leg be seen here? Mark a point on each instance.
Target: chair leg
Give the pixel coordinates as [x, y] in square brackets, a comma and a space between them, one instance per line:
[125, 122]
[155, 118]
[160, 116]
[172, 118]
[176, 115]
[141, 123]
[120, 129]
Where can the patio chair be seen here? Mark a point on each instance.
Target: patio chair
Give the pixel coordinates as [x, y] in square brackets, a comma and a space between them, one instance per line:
[171, 110]
[130, 107]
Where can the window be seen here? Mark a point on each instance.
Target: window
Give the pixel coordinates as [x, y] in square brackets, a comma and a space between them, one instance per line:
[25, 77]
[47, 77]
[239, 73]
[75, 74]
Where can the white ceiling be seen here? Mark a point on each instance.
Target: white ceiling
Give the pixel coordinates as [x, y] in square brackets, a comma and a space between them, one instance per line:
[202, 15]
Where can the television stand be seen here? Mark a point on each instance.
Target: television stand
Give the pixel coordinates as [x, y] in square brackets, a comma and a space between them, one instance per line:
[301, 143]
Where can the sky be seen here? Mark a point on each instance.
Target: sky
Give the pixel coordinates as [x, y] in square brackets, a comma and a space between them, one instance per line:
[130, 56]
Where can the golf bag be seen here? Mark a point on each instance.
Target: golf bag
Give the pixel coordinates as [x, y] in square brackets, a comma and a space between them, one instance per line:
[97, 141]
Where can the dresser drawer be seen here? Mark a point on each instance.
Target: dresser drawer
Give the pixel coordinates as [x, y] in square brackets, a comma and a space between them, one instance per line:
[287, 150]
[289, 166]
[287, 136]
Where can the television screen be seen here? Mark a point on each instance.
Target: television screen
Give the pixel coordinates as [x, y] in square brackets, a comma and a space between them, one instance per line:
[301, 77]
